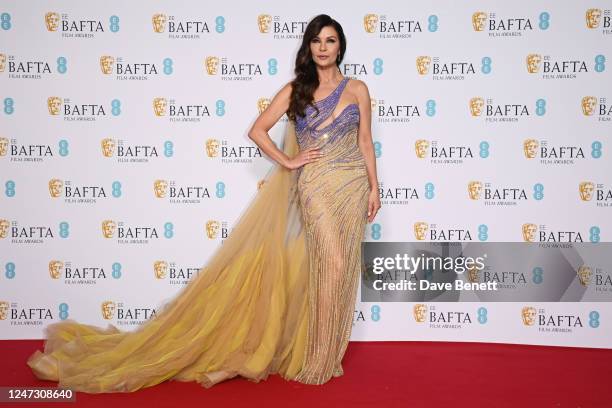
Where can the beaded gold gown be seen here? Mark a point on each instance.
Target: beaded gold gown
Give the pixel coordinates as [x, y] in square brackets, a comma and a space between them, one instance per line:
[277, 297]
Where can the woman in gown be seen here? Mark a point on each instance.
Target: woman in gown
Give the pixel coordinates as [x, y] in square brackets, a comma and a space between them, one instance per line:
[278, 296]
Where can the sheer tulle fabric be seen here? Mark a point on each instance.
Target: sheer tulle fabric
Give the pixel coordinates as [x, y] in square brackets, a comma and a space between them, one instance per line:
[244, 314]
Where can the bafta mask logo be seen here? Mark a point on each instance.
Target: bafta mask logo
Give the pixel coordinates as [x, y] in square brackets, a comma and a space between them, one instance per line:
[476, 105]
[369, 22]
[474, 189]
[588, 105]
[4, 226]
[528, 314]
[160, 187]
[479, 19]
[4, 142]
[420, 147]
[2, 62]
[108, 228]
[159, 106]
[55, 187]
[533, 63]
[262, 104]
[106, 64]
[419, 311]
[161, 269]
[586, 189]
[54, 103]
[212, 228]
[420, 230]
[212, 65]
[473, 274]
[584, 275]
[108, 309]
[530, 148]
[159, 22]
[529, 231]
[260, 184]
[108, 147]
[212, 147]
[593, 17]
[263, 22]
[4, 308]
[52, 20]
[423, 62]
[55, 269]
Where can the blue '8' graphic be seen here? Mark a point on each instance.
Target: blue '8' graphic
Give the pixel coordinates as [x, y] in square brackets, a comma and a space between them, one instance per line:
[375, 231]
[5, 21]
[544, 20]
[430, 107]
[272, 66]
[62, 66]
[64, 229]
[116, 107]
[537, 275]
[10, 188]
[596, 149]
[483, 232]
[486, 65]
[482, 315]
[594, 319]
[9, 106]
[430, 190]
[377, 149]
[116, 273]
[168, 69]
[432, 23]
[538, 191]
[63, 147]
[220, 24]
[9, 270]
[375, 309]
[378, 66]
[220, 189]
[63, 311]
[168, 230]
[168, 148]
[600, 63]
[114, 23]
[220, 107]
[116, 189]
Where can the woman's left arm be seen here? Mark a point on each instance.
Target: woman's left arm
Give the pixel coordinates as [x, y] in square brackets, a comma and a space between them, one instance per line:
[366, 146]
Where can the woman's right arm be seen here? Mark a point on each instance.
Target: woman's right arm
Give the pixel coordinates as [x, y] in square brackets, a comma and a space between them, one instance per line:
[264, 122]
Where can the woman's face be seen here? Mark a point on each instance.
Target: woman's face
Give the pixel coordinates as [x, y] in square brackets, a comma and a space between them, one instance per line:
[325, 47]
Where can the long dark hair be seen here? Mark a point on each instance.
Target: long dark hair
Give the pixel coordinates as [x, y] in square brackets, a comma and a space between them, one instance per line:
[306, 80]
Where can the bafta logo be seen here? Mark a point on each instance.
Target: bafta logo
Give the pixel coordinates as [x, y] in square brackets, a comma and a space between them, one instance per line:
[419, 312]
[108, 228]
[528, 313]
[584, 275]
[593, 17]
[212, 65]
[2, 62]
[108, 147]
[476, 105]
[420, 147]
[473, 274]
[106, 64]
[420, 229]
[369, 22]
[533, 63]
[260, 184]
[474, 189]
[586, 189]
[108, 309]
[160, 187]
[4, 225]
[262, 104]
[263, 22]
[4, 308]
[529, 231]
[161, 269]
[479, 19]
[159, 106]
[212, 147]
[53, 104]
[159, 22]
[52, 20]
[212, 228]
[55, 269]
[55, 187]
[530, 148]
[4, 142]
[423, 62]
[588, 105]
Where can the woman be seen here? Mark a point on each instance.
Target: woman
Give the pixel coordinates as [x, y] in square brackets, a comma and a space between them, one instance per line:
[278, 296]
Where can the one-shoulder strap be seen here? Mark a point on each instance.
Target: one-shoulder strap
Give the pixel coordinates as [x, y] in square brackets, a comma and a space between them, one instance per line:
[328, 105]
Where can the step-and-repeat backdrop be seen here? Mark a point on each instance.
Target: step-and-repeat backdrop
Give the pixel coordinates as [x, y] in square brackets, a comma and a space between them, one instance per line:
[125, 161]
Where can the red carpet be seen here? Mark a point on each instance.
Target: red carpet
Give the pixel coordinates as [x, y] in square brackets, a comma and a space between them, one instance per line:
[384, 374]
